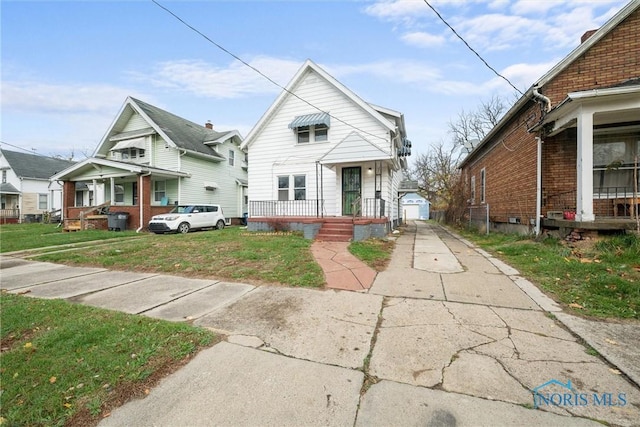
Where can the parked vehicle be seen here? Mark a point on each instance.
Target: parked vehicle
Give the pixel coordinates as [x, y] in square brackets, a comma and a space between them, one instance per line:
[184, 218]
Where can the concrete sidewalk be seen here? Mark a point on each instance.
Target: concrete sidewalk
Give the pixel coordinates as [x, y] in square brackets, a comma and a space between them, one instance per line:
[447, 335]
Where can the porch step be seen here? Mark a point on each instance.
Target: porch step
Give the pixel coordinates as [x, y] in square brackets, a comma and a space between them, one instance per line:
[336, 230]
[72, 225]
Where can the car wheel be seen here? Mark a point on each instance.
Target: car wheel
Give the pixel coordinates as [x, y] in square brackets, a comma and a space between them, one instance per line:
[220, 224]
[183, 228]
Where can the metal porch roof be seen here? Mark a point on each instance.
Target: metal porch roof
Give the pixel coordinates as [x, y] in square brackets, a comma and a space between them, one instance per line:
[310, 120]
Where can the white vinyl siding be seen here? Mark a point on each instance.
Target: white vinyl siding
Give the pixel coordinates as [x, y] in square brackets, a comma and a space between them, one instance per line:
[276, 152]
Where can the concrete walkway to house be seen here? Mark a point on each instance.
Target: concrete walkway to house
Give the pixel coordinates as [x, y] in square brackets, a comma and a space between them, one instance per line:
[341, 269]
[446, 335]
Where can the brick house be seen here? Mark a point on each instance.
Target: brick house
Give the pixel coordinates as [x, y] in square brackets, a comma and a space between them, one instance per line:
[564, 156]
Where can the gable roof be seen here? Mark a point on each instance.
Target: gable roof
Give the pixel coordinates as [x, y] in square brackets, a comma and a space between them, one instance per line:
[353, 147]
[289, 90]
[576, 53]
[177, 131]
[33, 166]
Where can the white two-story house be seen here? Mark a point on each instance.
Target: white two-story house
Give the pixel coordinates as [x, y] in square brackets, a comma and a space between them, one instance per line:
[150, 160]
[321, 152]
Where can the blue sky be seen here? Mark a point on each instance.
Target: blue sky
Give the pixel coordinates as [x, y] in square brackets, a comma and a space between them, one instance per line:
[68, 66]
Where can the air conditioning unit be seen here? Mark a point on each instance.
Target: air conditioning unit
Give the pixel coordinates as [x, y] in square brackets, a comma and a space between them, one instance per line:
[514, 220]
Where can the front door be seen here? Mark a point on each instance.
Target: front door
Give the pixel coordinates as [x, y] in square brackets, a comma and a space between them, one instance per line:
[351, 191]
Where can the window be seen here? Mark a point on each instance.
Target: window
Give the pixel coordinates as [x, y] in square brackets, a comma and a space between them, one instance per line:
[134, 191]
[321, 133]
[303, 134]
[473, 189]
[283, 188]
[316, 133]
[299, 187]
[159, 190]
[4, 176]
[483, 184]
[119, 194]
[232, 157]
[614, 154]
[43, 202]
[141, 153]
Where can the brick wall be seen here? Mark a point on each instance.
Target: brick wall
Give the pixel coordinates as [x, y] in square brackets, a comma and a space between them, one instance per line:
[510, 159]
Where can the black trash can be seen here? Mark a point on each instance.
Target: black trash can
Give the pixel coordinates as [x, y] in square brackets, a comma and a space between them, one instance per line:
[117, 221]
[245, 218]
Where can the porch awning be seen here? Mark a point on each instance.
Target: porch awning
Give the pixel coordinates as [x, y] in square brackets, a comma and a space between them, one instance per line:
[129, 143]
[310, 120]
[210, 185]
[6, 188]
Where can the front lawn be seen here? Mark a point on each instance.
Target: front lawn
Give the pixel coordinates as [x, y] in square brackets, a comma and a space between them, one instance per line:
[68, 364]
[230, 254]
[18, 237]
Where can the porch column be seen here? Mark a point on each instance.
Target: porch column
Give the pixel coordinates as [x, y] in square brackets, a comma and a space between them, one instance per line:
[112, 190]
[584, 163]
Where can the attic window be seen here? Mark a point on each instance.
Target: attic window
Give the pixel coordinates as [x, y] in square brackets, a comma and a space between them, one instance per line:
[311, 127]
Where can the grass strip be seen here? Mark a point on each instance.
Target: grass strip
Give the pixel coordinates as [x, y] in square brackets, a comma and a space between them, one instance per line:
[64, 363]
[599, 277]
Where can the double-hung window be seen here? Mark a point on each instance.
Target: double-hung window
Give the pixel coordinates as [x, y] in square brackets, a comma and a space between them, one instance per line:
[473, 189]
[311, 128]
[297, 192]
[159, 190]
[614, 159]
[299, 187]
[43, 201]
[483, 184]
[232, 157]
[283, 188]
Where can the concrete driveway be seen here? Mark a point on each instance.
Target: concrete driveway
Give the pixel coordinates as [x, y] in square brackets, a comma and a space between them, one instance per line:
[446, 336]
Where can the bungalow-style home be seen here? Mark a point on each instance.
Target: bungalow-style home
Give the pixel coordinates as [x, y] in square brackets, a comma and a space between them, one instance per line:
[26, 194]
[414, 206]
[325, 161]
[565, 156]
[150, 160]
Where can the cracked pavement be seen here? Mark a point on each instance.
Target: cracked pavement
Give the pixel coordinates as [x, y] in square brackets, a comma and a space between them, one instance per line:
[447, 335]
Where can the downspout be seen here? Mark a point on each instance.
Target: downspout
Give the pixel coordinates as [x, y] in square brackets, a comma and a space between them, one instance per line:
[538, 185]
[141, 201]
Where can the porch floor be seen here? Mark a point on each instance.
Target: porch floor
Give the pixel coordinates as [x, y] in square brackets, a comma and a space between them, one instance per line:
[601, 224]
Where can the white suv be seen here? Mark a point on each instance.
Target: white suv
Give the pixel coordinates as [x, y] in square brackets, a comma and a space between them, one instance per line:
[183, 218]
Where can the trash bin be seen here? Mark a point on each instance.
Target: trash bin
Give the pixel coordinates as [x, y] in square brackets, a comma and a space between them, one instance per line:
[117, 221]
[245, 218]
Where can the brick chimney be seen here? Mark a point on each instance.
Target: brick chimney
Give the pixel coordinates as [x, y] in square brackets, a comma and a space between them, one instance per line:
[208, 125]
[586, 35]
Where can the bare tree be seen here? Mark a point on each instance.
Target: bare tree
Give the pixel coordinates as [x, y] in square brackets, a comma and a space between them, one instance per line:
[471, 127]
[437, 173]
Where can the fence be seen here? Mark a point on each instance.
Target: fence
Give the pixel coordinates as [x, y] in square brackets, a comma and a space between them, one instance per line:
[479, 215]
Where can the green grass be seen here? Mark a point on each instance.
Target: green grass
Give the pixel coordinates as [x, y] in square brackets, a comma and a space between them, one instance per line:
[374, 252]
[62, 361]
[599, 278]
[17, 237]
[230, 254]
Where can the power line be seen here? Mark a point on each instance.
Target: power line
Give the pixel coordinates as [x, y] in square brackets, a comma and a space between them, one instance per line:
[228, 52]
[472, 49]
[32, 151]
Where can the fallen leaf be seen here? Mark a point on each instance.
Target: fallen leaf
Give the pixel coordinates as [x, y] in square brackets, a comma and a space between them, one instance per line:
[147, 391]
[106, 415]
[28, 345]
[52, 380]
[575, 305]
[585, 261]
[67, 405]
[611, 341]
[615, 371]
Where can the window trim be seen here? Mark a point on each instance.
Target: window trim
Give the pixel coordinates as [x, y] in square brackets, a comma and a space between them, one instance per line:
[46, 201]
[473, 189]
[232, 157]
[157, 191]
[310, 131]
[283, 190]
[296, 188]
[483, 185]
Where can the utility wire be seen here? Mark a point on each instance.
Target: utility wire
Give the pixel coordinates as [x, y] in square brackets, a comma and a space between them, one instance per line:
[222, 48]
[472, 49]
[23, 149]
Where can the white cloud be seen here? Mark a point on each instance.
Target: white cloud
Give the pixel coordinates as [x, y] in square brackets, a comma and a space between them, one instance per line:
[60, 98]
[422, 39]
[235, 80]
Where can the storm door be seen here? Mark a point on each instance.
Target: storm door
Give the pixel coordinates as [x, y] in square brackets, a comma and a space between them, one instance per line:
[351, 186]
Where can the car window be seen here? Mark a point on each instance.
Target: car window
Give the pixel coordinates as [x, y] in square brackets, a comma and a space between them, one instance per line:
[214, 209]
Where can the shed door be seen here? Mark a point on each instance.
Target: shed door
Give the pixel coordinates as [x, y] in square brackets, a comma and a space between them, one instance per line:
[351, 183]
